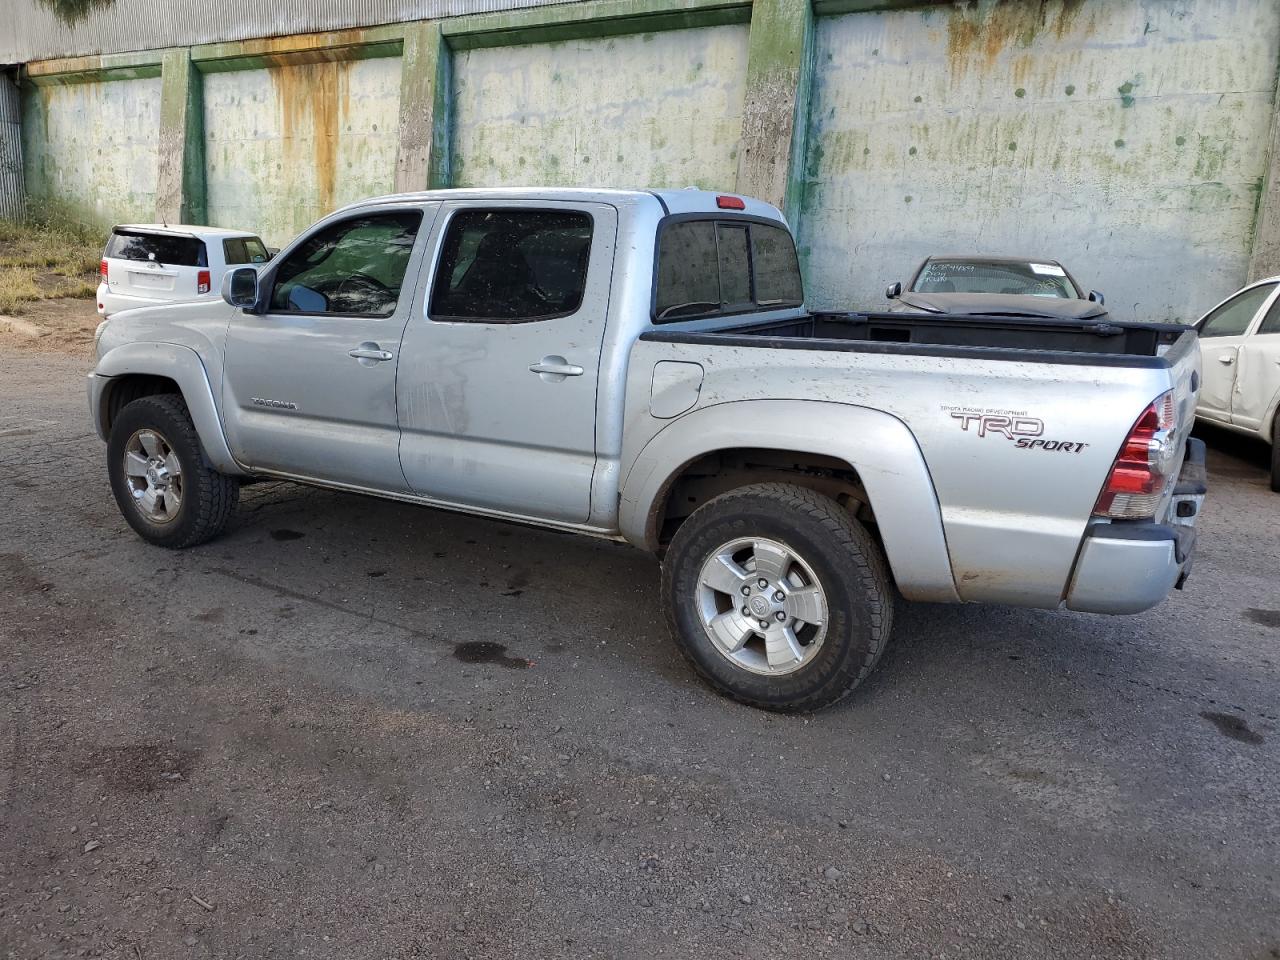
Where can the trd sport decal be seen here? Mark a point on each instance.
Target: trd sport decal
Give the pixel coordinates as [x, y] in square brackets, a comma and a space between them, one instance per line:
[1025, 432]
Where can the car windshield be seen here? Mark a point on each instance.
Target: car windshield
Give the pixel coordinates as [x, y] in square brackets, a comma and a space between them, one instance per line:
[1024, 278]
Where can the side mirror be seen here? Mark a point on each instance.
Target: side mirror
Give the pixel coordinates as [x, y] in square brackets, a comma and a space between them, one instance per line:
[240, 287]
[1097, 297]
[893, 291]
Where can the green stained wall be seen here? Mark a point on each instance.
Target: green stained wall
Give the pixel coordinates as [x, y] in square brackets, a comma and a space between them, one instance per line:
[654, 109]
[1135, 140]
[285, 145]
[91, 148]
[1128, 139]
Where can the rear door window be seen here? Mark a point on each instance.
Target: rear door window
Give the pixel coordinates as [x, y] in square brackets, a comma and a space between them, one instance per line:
[165, 249]
[710, 267]
[512, 266]
[239, 250]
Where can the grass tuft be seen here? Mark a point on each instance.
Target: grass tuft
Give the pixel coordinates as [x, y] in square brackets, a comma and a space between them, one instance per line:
[48, 254]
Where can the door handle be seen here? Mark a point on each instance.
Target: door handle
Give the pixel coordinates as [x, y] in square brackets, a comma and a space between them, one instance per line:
[369, 353]
[1226, 358]
[553, 369]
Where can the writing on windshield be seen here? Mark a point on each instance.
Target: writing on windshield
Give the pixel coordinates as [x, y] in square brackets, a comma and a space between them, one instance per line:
[1029, 279]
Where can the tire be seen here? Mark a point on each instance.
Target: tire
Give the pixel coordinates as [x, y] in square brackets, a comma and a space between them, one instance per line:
[1275, 453]
[827, 549]
[199, 500]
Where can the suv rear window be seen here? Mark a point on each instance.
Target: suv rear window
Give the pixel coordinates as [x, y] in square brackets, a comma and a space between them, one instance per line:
[711, 267]
[244, 250]
[167, 250]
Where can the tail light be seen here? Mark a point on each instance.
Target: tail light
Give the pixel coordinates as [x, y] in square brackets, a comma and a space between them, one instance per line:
[102, 270]
[1145, 463]
[730, 203]
[202, 282]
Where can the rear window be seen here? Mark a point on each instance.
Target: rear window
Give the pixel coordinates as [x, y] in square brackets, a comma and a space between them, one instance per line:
[169, 251]
[244, 250]
[710, 267]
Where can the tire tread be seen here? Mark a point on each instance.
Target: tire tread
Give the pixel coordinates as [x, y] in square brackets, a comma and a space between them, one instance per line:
[866, 563]
[213, 495]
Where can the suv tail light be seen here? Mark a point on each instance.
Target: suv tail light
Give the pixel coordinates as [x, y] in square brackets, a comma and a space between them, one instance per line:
[202, 282]
[1146, 460]
[102, 270]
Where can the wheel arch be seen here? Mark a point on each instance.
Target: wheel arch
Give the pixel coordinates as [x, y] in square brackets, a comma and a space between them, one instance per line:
[865, 450]
[136, 370]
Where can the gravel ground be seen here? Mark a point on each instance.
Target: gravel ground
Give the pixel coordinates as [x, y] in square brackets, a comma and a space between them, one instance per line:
[358, 729]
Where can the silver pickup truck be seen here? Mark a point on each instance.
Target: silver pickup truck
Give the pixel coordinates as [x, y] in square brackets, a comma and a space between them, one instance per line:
[640, 366]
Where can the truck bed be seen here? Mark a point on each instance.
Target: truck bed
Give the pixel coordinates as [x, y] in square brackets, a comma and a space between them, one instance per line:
[1106, 343]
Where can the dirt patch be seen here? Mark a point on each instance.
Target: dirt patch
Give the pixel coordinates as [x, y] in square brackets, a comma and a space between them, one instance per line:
[64, 325]
[140, 767]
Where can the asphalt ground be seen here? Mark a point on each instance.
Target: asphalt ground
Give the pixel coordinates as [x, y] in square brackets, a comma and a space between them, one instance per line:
[353, 728]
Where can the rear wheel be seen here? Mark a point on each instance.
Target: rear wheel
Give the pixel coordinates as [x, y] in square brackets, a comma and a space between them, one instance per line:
[162, 484]
[778, 597]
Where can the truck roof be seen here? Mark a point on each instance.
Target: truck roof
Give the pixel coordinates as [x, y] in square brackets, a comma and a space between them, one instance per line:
[688, 200]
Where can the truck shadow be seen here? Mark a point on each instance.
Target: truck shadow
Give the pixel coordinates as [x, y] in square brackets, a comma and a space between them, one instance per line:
[499, 595]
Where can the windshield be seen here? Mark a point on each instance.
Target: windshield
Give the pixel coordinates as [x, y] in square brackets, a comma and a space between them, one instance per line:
[1028, 278]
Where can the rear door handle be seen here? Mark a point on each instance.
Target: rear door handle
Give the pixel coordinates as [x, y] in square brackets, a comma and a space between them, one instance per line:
[369, 353]
[553, 369]
[1226, 358]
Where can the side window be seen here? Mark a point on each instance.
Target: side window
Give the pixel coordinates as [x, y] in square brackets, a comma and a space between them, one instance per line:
[709, 267]
[244, 250]
[1233, 318]
[511, 266]
[776, 267]
[354, 268]
[1271, 322]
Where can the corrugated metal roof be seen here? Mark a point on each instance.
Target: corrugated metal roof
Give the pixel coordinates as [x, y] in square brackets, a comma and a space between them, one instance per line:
[33, 32]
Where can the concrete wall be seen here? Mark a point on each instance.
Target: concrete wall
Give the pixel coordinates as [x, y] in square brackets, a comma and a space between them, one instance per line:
[1128, 139]
[286, 145]
[91, 147]
[1136, 140]
[659, 109]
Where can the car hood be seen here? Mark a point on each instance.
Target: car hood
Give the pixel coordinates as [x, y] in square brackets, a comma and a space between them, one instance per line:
[1001, 305]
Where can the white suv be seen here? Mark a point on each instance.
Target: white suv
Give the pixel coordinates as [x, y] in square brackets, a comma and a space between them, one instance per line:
[145, 264]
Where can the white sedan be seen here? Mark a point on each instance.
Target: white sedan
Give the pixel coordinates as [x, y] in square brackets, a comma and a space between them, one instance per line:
[1240, 357]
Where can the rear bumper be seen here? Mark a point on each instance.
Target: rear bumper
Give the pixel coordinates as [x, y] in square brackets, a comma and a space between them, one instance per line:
[111, 303]
[1130, 566]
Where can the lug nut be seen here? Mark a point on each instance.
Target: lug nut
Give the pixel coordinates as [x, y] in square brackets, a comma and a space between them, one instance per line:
[746, 591]
[762, 582]
[764, 624]
[779, 596]
[780, 617]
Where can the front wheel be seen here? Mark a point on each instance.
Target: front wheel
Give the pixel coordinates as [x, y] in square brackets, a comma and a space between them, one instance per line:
[778, 597]
[162, 484]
